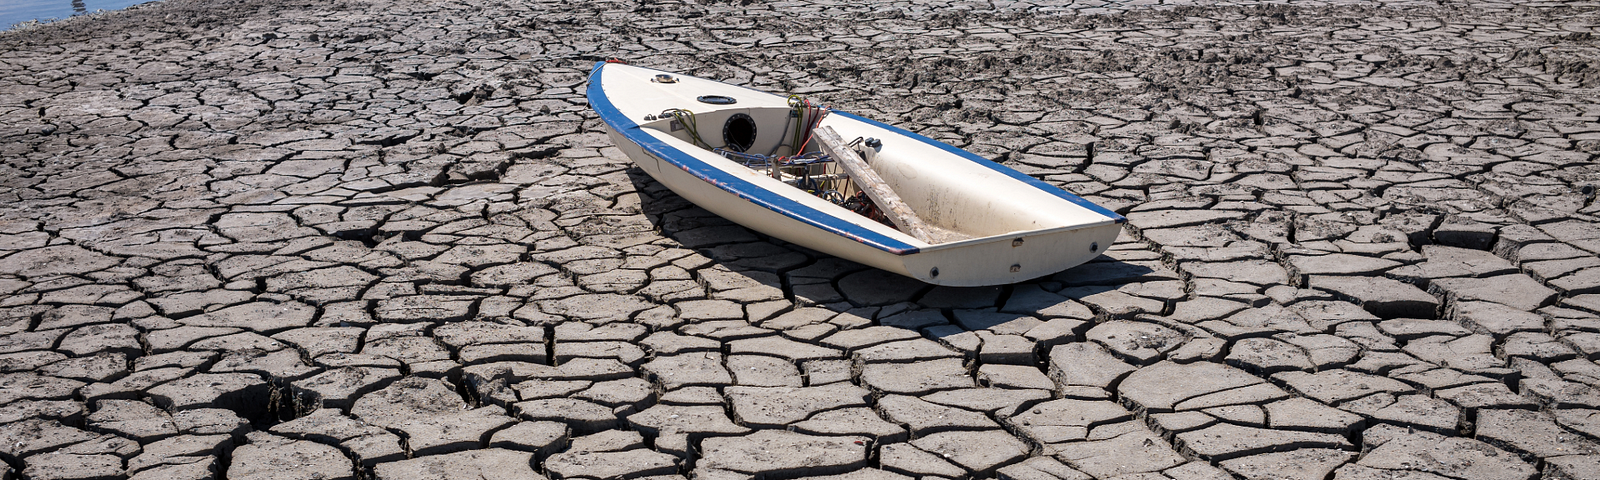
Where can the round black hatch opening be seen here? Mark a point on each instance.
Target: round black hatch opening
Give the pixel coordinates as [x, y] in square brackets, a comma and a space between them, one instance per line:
[739, 132]
[717, 100]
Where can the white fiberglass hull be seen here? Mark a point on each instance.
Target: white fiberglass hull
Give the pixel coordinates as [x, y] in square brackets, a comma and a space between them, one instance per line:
[1021, 228]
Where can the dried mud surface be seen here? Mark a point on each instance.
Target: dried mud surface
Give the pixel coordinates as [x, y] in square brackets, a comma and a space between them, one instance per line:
[388, 240]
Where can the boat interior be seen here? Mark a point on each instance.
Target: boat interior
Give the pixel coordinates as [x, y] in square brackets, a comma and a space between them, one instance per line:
[765, 140]
[954, 197]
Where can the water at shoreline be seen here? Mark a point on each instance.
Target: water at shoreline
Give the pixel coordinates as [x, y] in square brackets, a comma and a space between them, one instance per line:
[13, 12]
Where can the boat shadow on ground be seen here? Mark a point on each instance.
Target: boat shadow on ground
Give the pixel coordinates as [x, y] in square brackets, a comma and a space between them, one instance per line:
[820, 287]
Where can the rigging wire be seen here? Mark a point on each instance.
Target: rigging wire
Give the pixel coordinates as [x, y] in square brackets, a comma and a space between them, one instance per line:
[810, 115]
[787, 121]
[798, 105]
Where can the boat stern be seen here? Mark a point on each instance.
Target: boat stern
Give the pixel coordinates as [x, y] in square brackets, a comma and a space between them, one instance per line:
[1010, 259]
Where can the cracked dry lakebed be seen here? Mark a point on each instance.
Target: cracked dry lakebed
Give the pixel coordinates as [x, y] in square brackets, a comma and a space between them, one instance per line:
[353, 239]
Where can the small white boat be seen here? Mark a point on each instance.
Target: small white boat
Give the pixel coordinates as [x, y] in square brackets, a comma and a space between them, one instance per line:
[965, 221]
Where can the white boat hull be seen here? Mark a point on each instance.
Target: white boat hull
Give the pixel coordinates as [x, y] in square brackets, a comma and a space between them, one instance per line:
[1024, 228]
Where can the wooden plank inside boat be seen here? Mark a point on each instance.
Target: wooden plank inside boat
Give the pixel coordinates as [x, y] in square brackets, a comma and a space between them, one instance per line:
[868, 180]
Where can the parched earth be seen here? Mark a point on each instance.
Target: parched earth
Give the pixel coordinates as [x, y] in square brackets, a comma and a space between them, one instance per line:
[258, 239]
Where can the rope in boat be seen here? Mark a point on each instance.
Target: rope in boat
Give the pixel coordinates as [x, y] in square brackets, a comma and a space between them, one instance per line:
[754, 160]
[686, 119]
